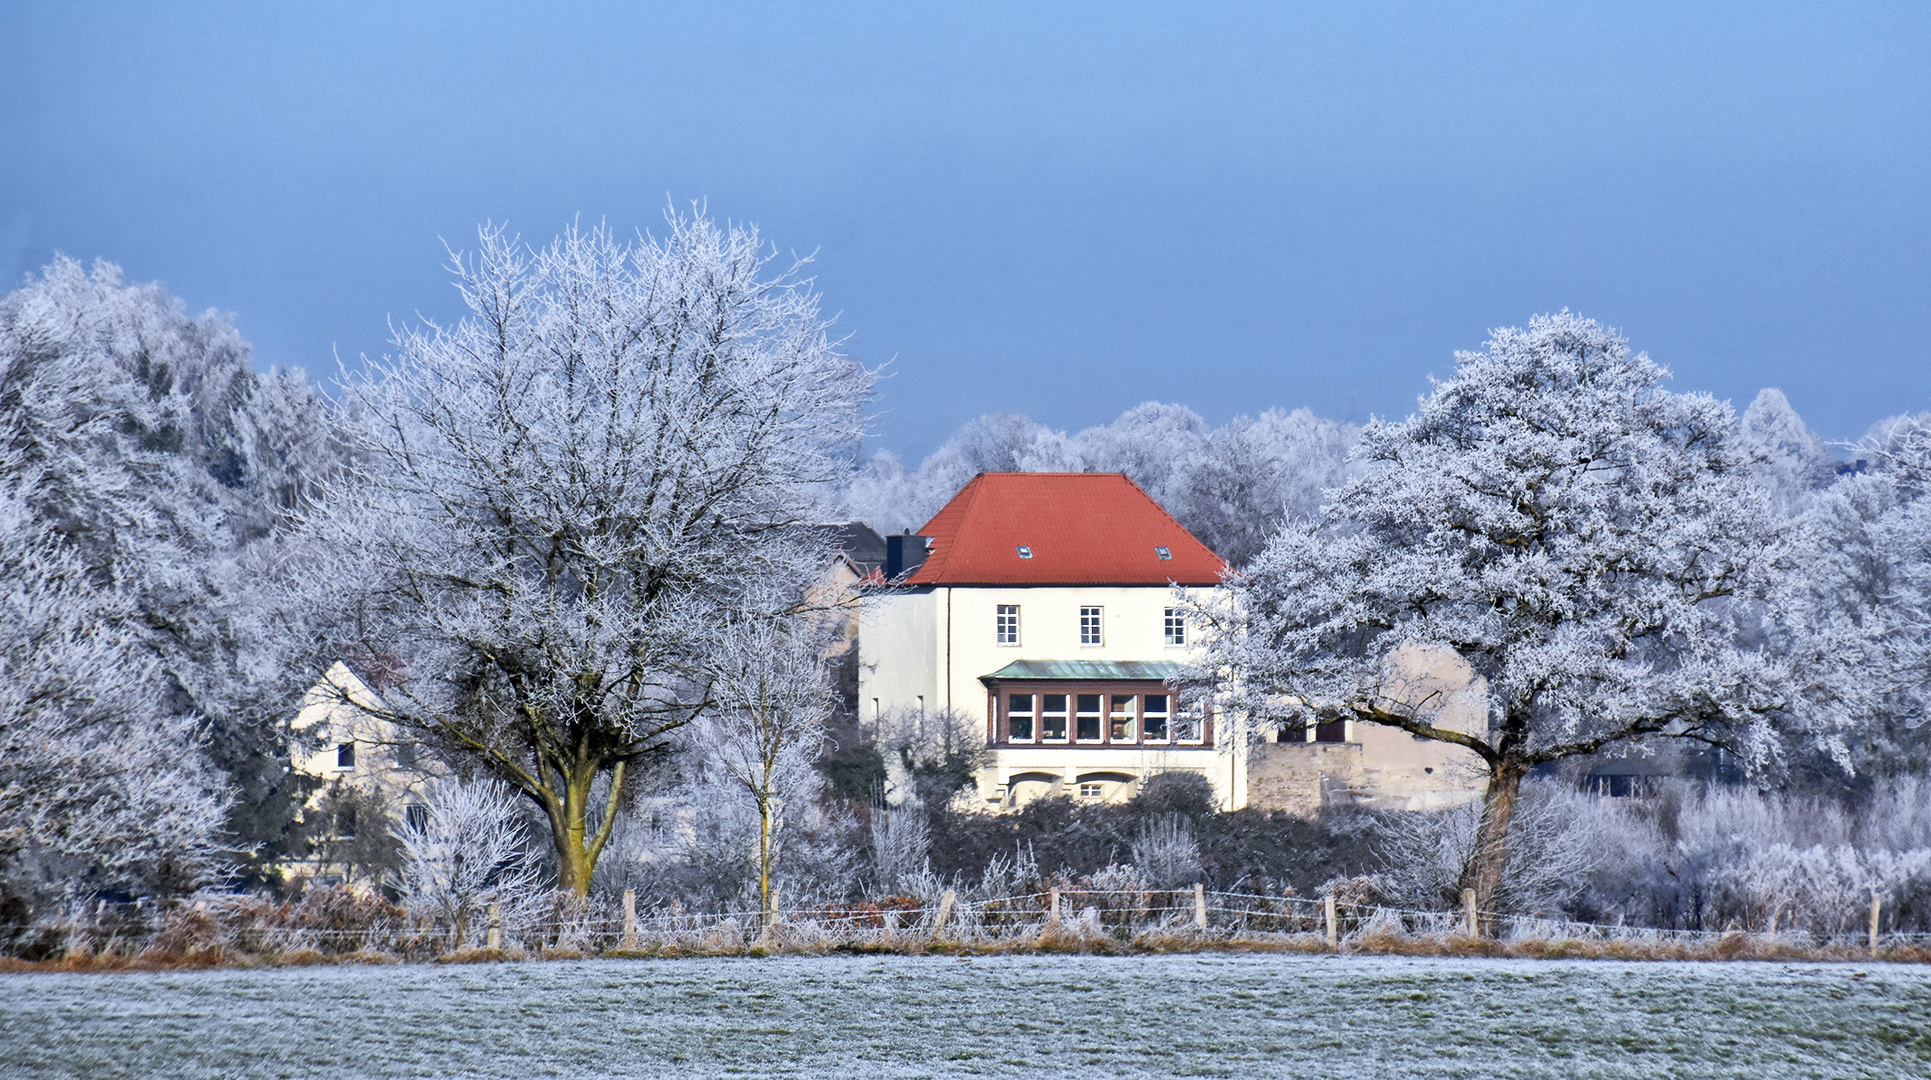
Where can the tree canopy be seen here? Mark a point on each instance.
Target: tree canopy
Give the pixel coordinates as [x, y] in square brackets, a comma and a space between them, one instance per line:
[571, 495]
[1588, 542]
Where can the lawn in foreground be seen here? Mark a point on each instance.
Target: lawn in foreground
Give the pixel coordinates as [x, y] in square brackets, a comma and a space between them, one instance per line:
[1188, 1015]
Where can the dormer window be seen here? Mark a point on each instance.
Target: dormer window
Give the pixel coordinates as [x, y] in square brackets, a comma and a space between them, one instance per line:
[1163, 553]
[1024, 551]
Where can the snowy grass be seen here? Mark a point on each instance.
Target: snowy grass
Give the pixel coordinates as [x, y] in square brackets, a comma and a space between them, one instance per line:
[852, 1016]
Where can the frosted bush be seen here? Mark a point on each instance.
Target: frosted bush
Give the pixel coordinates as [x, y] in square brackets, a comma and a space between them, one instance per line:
[1558, 838]
[471, 851]
[901, 841]
[1166, 851]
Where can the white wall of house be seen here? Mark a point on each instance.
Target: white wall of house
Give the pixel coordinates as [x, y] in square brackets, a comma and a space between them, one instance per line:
[337, 716]
[928, 648]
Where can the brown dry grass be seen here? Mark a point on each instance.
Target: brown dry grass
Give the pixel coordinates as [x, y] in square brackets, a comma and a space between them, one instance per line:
[191, 949]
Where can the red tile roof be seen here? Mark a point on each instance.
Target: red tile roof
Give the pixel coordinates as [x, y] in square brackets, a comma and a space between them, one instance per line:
[1081, 528]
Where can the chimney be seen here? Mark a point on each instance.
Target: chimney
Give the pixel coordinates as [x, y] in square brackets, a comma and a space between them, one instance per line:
[904, 554]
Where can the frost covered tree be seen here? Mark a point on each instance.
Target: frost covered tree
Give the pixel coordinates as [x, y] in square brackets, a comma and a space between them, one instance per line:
[102, 788]
[1233, 486]
[567, 499]
[145, 446]
[765, 730]
[1253, 476]
[1585, 540]
[1788, 460]
[469, 851]
[901, 847]
[1864, 545]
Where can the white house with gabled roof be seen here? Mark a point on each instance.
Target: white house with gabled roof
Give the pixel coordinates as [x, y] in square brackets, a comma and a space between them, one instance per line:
[1043, 607]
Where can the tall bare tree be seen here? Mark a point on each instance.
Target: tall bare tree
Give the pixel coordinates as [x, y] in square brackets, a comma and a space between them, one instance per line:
[569, 497]
[768, 726]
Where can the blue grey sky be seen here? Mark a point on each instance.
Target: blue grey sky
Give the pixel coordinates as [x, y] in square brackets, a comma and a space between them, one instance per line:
[1057, 209]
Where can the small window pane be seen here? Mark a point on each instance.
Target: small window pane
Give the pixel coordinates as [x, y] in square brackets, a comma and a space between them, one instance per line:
[1019, 717]
[1052, 717]
[1091, 791]
[1008, 624]
[1175, 626]
[1156, 718]
[1089, 718]
[345, 756]
[1120, 722]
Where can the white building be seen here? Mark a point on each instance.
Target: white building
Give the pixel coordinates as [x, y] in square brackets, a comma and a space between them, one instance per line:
[1042, 606]
[371, 776]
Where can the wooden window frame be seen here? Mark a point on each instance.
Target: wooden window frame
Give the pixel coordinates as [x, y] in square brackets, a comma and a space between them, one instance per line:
[999, 729]
[1002, 707]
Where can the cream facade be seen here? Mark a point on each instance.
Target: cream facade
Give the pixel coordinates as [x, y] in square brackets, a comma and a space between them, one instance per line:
[356, 752]
[1362, 764]
[930, 649]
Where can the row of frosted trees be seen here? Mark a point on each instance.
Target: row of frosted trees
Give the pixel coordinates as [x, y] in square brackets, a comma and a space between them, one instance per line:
[572, 539]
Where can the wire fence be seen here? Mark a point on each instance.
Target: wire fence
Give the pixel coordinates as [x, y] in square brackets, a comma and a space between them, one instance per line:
[1066, 917]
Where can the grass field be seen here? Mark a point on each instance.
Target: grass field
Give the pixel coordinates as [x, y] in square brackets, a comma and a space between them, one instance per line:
[1196, 1015]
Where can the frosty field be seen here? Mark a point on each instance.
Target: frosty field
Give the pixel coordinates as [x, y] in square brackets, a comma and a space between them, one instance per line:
[1193, 1015]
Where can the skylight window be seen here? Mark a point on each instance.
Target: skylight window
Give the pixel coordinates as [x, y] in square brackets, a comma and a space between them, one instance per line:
[1025, 552]
[1164, 553]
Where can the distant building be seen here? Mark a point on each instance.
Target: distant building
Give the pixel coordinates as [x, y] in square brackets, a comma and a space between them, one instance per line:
[1344, 763]
[1049, 609]
[1042, 607]
[370, 775]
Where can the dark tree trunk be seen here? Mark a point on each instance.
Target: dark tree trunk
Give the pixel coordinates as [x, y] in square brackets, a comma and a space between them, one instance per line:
[1486, 860]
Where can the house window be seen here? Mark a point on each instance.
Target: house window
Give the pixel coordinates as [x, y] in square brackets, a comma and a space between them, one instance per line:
[1189, 726]
[416, 816]
[1052, 717]
[1091, 791]
[1175, 626]
[1089, 626]
[1331, 731]
[1095, 714]
[1163, 554]
[1019, 717]
[1156, 718]
[1008, 624]
[1088, 717]
[345, 756]
[1023, 551]
[345, 823]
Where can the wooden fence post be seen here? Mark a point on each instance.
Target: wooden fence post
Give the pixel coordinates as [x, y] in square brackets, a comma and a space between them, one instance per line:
[1199, 906]
[1053, 917]
[495, 939]
[945, 912]
[630, 920]
[1876, 909]
[890, 918]
[1328, 908]
[1470, 924]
